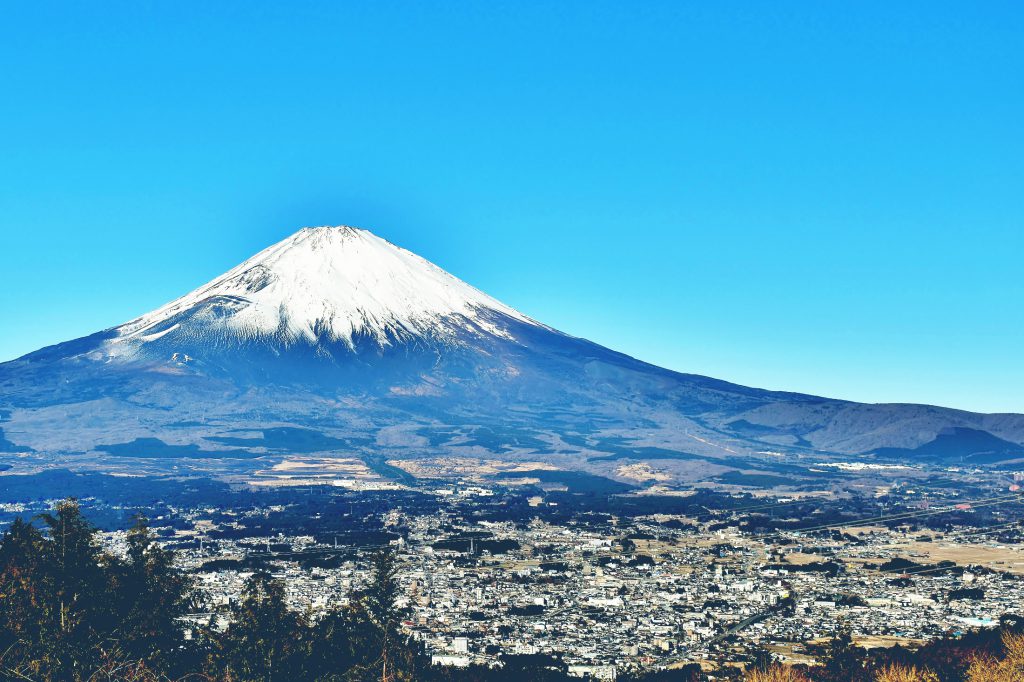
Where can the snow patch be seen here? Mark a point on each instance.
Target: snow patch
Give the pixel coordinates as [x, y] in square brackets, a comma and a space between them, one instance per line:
[328, 283]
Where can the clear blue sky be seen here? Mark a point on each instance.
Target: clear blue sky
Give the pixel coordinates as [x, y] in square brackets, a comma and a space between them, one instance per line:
[819, 196]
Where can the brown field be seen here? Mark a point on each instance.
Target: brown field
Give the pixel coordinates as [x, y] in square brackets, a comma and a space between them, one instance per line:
[465, 467]
[997, 557]
[300, 471]
[641, 471]
[885, 642]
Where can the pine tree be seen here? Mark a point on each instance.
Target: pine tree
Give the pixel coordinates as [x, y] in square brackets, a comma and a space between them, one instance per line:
[22, 595]
[376, 621]
[72, 612]
[266, 641]
[843, 661]
[152, 594]
[332, 650]
[76, 613]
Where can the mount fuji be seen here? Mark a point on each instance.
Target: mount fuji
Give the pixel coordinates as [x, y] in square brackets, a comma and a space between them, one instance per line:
[337, 342]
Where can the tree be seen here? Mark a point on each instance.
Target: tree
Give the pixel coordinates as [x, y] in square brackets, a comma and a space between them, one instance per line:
[376, 621]
[763, 660]
[22, 596]
[380, 595]
[843, 661]
[691, 672]
[152, 595]
[75, 613]
[333, 649]
[265, 641]
[539, 667]
[1009, 668]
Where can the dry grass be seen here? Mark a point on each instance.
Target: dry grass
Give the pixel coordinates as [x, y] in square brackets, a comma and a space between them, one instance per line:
[902, 673]
[892, 673]
[799, 558]
[1010, 668]
[776, 673]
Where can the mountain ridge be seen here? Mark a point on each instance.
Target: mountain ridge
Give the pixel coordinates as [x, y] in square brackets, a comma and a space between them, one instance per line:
[336, 330]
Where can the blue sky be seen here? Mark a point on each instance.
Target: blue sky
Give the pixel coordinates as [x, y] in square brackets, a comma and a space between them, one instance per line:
[823, 197]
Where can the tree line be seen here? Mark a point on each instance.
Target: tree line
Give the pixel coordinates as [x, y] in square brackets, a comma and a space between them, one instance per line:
[70, 611]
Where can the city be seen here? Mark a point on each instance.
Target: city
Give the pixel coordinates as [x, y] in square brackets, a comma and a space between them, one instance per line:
[712, 579]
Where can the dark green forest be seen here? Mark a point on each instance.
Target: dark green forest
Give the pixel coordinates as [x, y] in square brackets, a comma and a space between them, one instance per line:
[70, 611]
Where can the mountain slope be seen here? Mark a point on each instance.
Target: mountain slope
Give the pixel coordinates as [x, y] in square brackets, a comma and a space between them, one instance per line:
[339, 342]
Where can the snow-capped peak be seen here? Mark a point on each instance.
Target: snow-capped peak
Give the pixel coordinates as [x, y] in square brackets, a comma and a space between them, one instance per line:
[330, 283]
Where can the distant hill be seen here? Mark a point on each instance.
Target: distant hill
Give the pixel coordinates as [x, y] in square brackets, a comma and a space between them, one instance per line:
[959, 443]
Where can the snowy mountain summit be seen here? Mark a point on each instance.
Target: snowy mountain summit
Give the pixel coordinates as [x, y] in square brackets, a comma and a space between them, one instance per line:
[327, 285]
